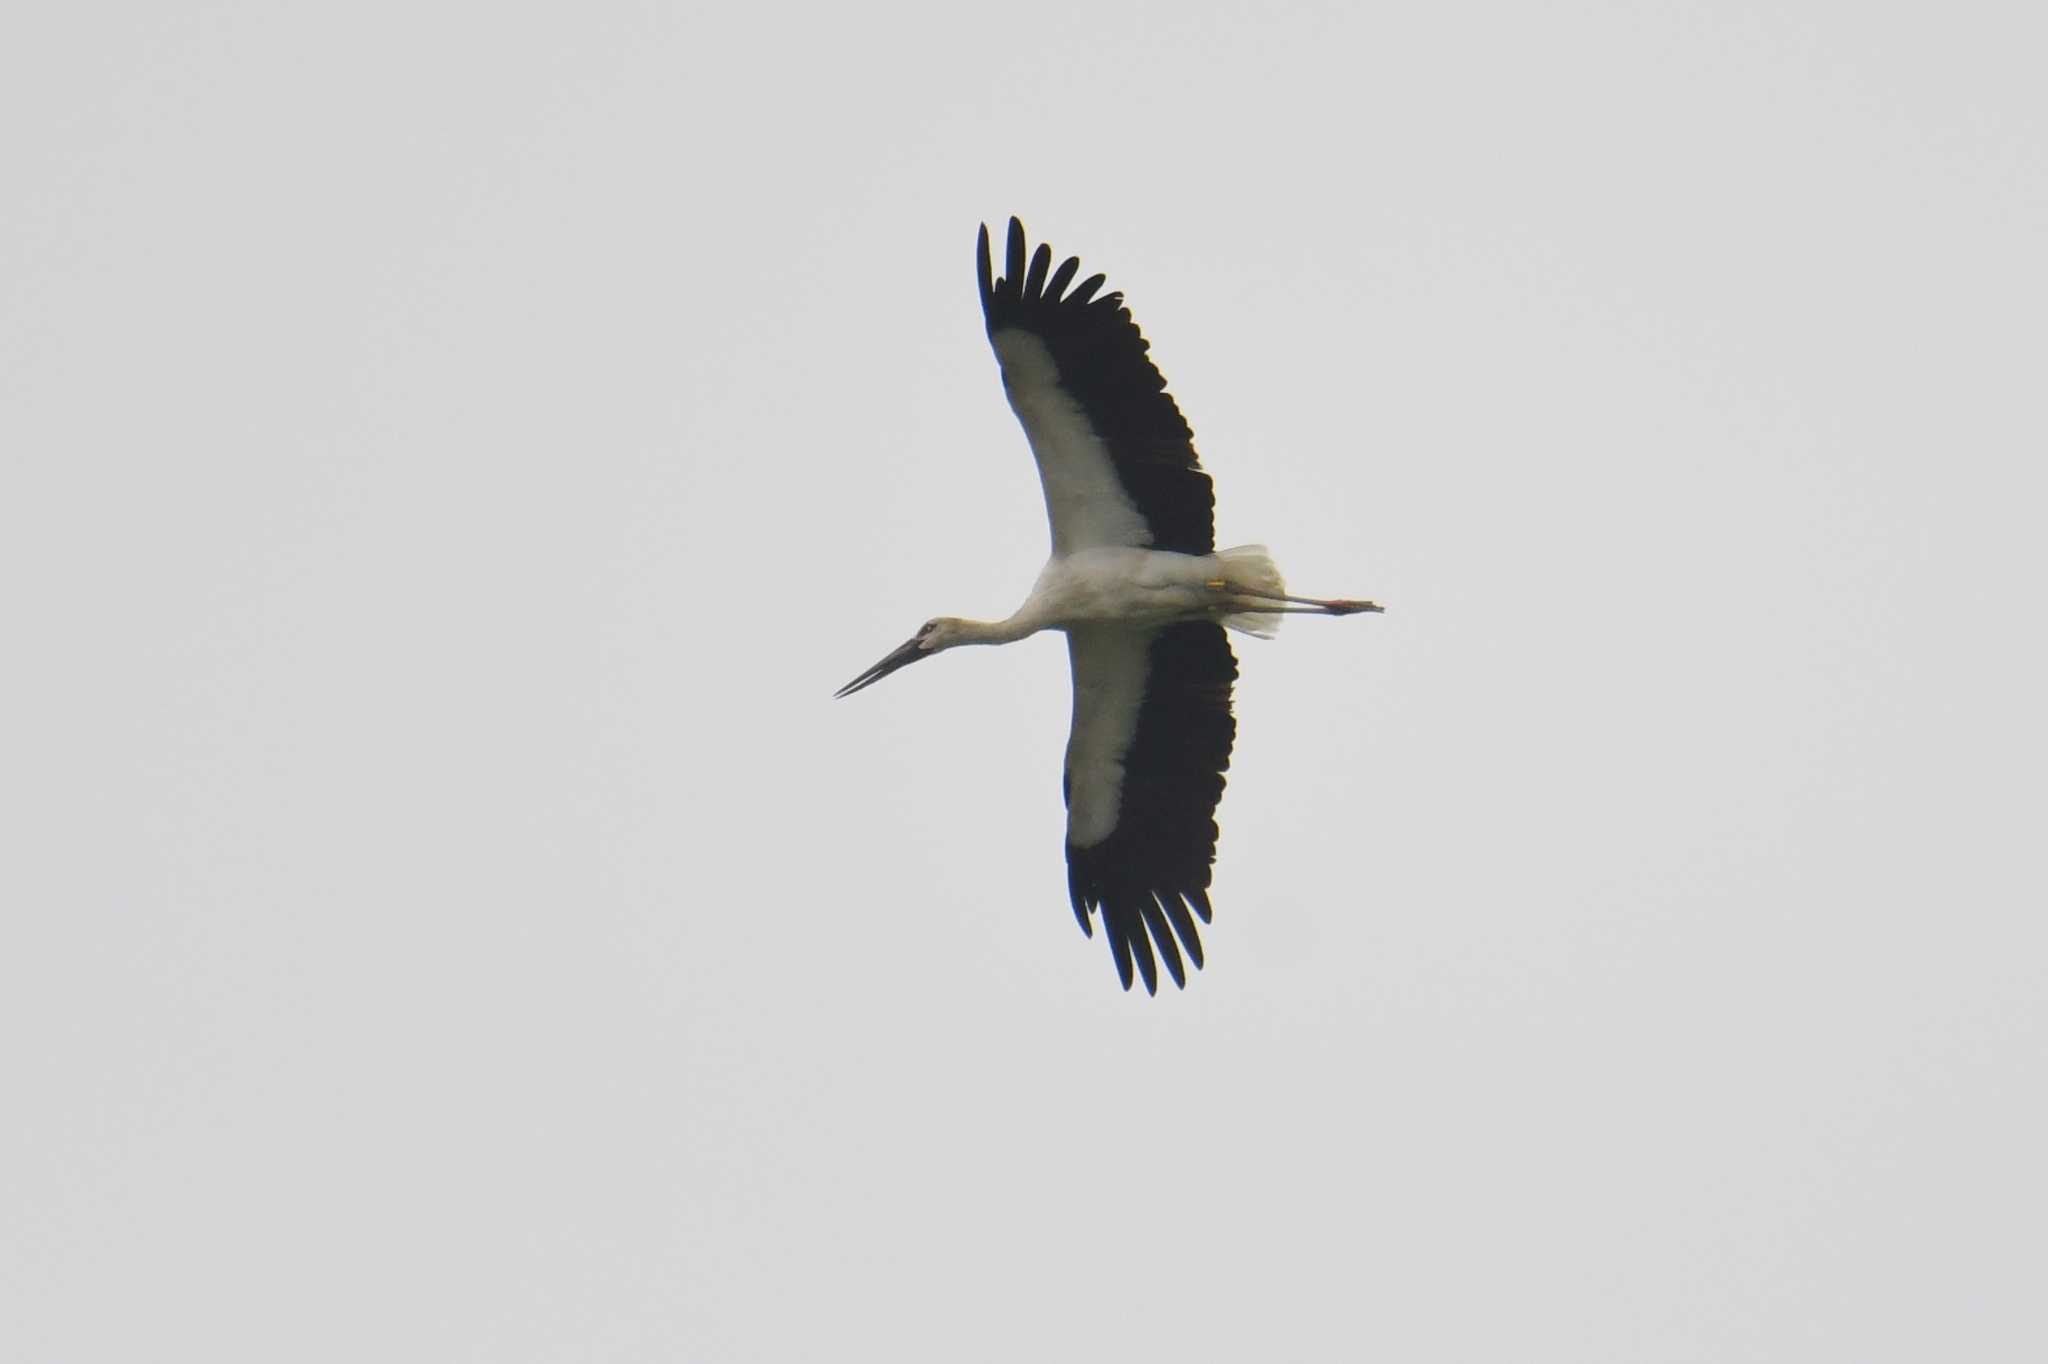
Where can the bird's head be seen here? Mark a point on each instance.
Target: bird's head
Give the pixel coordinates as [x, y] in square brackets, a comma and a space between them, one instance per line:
[942, 632]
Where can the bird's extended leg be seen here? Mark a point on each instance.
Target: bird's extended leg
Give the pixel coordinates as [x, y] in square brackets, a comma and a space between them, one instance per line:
[1333, 606]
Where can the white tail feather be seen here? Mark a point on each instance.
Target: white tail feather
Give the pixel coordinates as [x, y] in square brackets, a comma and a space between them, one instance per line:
[1251, 566]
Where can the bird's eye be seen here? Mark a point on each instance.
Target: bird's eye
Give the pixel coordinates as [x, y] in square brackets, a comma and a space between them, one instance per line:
[926, 628]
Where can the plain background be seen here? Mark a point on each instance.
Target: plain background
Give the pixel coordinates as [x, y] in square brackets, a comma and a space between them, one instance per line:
[452, 452]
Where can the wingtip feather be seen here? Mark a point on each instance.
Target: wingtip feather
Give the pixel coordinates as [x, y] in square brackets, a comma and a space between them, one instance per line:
[1061, 278]
[1183, 927]
[1141, 948]
[1041, 262]
[1079, 900]
[1162, 937]
[1013, 258]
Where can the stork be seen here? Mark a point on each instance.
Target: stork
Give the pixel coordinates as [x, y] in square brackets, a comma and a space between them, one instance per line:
[1136, 583]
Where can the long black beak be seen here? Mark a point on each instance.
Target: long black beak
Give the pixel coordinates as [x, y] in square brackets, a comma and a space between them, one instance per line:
[902, 655]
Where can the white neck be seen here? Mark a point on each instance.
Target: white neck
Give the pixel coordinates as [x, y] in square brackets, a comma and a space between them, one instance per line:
[996, 631]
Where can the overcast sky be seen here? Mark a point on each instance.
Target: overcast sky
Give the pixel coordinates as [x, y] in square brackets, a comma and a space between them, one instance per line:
[449, 453]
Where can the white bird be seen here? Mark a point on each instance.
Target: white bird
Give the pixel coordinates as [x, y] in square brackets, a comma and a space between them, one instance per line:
[1136, 582]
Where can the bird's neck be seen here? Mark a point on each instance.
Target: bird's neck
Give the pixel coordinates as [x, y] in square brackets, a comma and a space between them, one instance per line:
[997, 631]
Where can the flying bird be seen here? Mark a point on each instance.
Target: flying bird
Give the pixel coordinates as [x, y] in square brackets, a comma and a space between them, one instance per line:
[1143, 595]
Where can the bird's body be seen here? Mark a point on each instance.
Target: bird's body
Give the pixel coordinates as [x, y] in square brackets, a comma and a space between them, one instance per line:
[1119, 584]
[1135, 582]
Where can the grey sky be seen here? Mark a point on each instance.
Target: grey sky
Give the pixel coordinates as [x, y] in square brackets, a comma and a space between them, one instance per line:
[449, 454]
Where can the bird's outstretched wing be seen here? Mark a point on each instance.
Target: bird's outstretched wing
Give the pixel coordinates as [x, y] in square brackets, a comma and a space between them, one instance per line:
[1145, 764]
[1115, 456]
